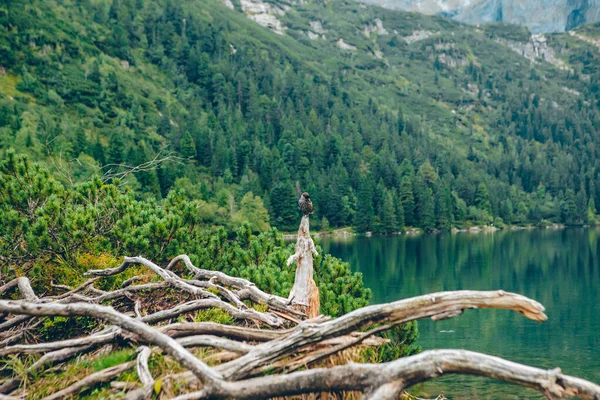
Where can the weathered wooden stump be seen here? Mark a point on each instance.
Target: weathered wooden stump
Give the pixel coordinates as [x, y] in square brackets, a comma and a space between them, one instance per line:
[304, 295]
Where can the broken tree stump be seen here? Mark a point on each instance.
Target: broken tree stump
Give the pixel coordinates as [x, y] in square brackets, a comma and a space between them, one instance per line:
[304, 295]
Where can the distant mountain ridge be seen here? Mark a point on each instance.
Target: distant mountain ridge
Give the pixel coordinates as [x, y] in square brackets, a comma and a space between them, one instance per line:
[540, 16]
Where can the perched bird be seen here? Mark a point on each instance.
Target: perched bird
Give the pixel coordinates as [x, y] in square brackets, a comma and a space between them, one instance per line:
[305, 205]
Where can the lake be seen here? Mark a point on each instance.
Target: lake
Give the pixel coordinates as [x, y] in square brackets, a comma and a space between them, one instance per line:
[558, 268]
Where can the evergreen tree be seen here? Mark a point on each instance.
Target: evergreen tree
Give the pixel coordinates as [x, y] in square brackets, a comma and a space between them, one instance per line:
[390, 223]
[482, 198]
[426, 211]
[284, 206]
[582, 206]
[443, 207]
[81, 142]
[408, 201]
[506, 211]
[591, 212]
[425, 208]
[569, 208]
[98, 152]
[116, 149]
[460, 210]
[399, 212]
[363, 220]
[187, 146]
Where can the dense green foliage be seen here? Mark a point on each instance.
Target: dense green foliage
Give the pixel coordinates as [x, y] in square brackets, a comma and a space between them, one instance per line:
[53, 233]
[453, 129]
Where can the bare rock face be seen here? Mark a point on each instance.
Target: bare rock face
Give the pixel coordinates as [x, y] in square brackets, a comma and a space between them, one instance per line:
[536, 50]
[345, 46]
[264, 14]
[417, 36]
[376, 26]
[540, 16]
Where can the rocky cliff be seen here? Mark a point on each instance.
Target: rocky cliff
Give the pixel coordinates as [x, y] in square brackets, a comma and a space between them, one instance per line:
[540, 16]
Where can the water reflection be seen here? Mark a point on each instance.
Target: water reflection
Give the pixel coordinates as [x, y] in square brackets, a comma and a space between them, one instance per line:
[559, 268]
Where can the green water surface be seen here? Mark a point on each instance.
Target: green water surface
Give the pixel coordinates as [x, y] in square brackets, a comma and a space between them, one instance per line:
[559, 268]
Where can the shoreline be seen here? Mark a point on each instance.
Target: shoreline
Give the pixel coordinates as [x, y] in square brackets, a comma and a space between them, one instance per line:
[345, 232]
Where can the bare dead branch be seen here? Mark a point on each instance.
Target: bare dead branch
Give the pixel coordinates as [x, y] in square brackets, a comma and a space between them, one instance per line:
[398, 312]
[166, 275]
[24, 286]
[121, 171]
[212, 303]
[394, 376]
[143, 371]
[228, 331]
[108, 314]
[246, 289]
[88, 381]
[192, 287]
[216, 342]
[103, 337]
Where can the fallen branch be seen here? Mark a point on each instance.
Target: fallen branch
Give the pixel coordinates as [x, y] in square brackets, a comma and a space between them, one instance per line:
[228, 331]
[143, 371]
[103, 337]
[443, 304]
[167, 276]
[146, 333]
[246, 289]
[387, 380]
[216, 342]
[24, 286]
[191, 287]
[91, 380]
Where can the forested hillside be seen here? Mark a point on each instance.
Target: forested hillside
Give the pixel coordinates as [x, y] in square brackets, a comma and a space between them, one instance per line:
[422, 122]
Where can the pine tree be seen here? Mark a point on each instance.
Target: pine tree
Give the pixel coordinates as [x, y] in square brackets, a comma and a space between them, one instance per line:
[284, 214]
[424, 204]
[591, 212]
[506, 211]
[401, 121]
[390, 223]
[460, 210]
[482, 198]
[399, 212]
[115, 149]
[568, 208]
[98, 152]
[363, 219]
[408, 201]
[81, 142]
[443, 207]
[187, 146]
[427, 214]
[581, 205]
[379, 198]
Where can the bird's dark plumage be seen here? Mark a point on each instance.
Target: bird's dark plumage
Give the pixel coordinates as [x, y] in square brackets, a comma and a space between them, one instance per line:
[305, 205]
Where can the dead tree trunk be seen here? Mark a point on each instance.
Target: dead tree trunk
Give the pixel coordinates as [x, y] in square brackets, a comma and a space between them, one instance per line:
[304, 294]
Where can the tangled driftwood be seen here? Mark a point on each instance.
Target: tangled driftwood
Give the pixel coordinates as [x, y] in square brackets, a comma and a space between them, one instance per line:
[278, 341]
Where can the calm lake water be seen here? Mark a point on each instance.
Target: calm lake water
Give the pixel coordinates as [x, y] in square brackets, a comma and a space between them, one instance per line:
[559, 268]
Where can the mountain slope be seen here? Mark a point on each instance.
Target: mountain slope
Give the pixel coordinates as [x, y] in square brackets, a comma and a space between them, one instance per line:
[387, 118]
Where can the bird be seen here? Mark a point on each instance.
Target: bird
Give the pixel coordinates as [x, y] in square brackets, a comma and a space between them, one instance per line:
[305, 205]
